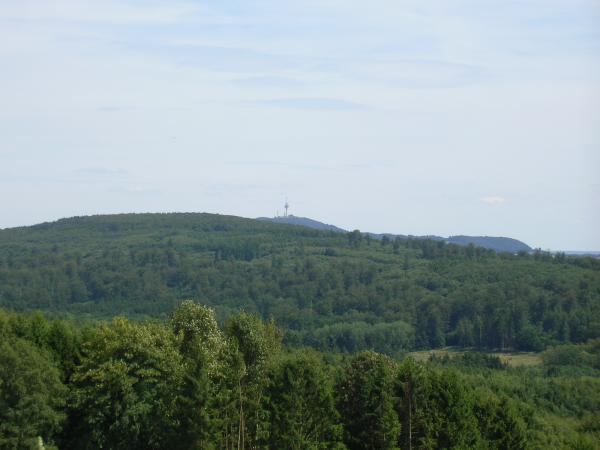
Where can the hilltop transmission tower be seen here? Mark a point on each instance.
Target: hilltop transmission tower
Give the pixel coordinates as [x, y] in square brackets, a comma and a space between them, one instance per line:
[286, 206]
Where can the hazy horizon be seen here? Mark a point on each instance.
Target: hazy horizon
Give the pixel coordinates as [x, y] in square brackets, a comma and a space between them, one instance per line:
[443, 118]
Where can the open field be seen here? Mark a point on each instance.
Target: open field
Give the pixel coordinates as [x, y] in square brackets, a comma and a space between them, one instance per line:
[513, 359]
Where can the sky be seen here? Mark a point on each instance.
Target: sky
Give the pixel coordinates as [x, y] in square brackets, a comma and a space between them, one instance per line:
[407, 116]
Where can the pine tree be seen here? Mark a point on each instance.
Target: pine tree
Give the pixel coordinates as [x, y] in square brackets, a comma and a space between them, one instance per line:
[366, 403]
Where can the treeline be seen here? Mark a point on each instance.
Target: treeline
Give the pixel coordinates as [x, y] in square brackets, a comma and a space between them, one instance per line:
[190, 384]
[331, 291]
[562, 394]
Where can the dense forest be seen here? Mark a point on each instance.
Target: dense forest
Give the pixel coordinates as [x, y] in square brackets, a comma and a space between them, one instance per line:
[295, 339]
[187, 383]
[342, 292]
[499, 244]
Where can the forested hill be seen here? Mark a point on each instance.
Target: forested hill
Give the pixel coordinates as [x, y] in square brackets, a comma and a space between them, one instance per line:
[338, 291]
[498, 244]
[303, 221]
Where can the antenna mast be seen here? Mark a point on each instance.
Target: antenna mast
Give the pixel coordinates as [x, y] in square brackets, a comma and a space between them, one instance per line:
[287, 205]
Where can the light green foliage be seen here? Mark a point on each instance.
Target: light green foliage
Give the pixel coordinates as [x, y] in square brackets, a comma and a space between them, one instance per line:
[203, 346]
[201, 335]
[255, 343]
[252, 346]
[32, 397]
[577, 357]
[543, 406]
[125, 389]
[148, 385]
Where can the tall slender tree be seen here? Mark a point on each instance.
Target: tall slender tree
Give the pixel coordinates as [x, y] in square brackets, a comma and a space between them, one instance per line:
[366, 402]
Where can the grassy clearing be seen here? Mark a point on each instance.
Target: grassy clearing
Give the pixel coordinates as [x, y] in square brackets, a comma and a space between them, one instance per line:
[520, 359]
[513, 359]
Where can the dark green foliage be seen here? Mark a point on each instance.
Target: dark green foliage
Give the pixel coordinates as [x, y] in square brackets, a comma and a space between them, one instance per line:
[366, 402]
[202, 345]
[501, 424]
[581, 358]
[125, 391]
[333, 291]
[197, 426]
[192, 385]
[252, 346]
[32, 397]
[436, 409]
[391, 338]
[471, 359]
[301, 401]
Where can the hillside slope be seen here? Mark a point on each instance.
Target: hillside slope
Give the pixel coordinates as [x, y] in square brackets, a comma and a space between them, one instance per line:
[303, 221]
[327, 289]
[498, 244]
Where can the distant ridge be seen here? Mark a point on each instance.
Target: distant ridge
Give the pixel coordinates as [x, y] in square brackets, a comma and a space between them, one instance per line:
[303, 221]
[498, 244]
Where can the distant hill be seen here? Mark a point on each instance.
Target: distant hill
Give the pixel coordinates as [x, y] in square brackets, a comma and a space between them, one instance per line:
[498, 244]
[329, 290]
[591, 253]
[303, 221]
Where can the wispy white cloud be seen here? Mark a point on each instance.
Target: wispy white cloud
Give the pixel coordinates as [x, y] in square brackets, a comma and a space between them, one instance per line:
[493, 200]
[451, 93]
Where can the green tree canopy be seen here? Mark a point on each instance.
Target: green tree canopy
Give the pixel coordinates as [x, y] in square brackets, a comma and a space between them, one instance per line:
[32, 396]
[126, 388]
[301, 402]
[366, 403]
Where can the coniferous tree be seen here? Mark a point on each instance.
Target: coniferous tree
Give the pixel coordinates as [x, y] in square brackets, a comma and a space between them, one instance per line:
[366, 403]
[301, 405]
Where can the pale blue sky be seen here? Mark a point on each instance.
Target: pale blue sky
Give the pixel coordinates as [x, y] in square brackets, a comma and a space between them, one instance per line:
[416, 117]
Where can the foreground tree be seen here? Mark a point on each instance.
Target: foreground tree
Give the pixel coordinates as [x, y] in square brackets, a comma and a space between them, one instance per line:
[366, 403]
[301, 405]
[31, 395]
[251, 347]
[501, 425]
[200, 333]
[202, 345]
[126, 389]
[436, 409]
